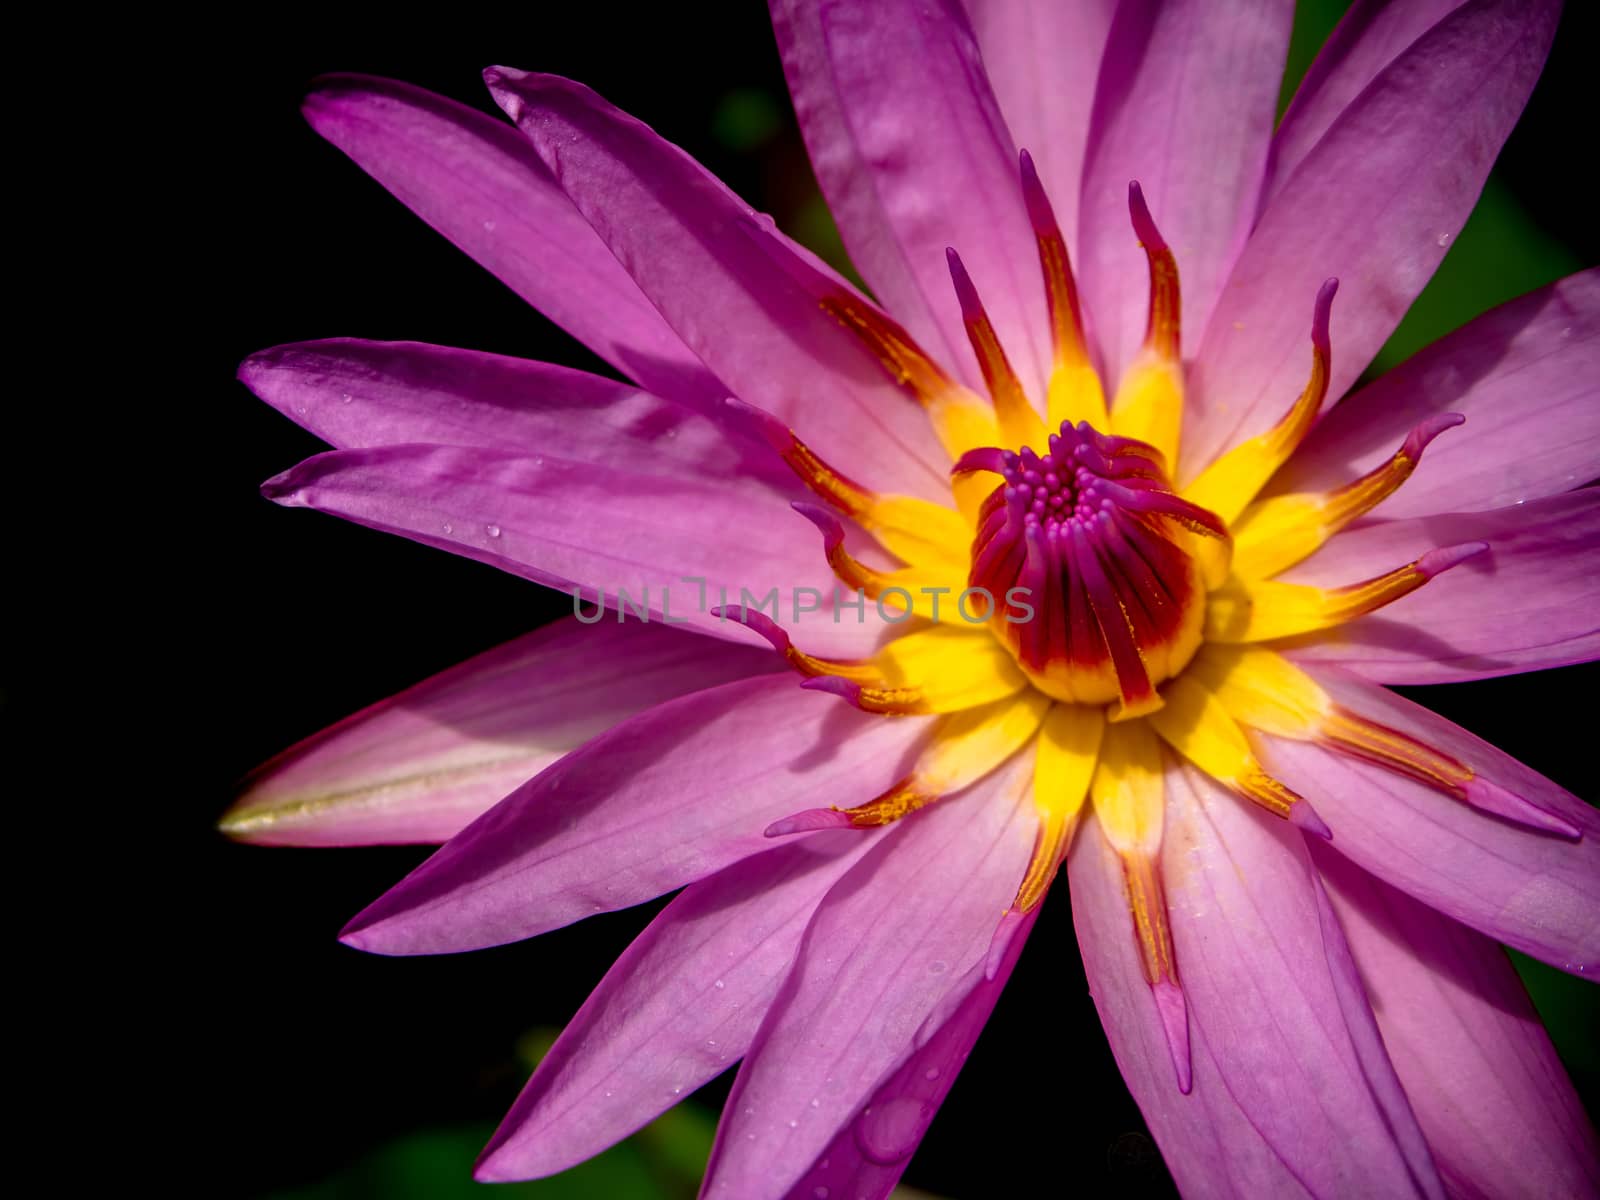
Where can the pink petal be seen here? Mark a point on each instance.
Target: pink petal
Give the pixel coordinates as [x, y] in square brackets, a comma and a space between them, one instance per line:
[1209, 1144]
[913, 156]
[1531, 601]
[892, 951]
[741, 295]
[683, 1001]
[673, 795]
[1536, 891]
[1527, 378]
[637, 522]
[420, 765]
[1043, 61]
[1375, 204]
[1267, 975]
[902, 1107]
[1498, 1110]
[1370, 36]
[354, 393]
[1185, 105]
[477, 182]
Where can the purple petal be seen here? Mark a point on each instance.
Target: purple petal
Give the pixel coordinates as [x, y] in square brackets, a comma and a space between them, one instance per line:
[673, 795]
[740, 294]
[892, 951]
[1487, 1087]
[683, 1001]
[1532, 601]
[913, 156]
[421, 765]
[853, 1165]
[1267, 975]
[1536, 891]
[637, 522]
[477, 182]
[1209, 1144]
[1043, 61]
[1185, 105]
[1375, 203]
[1527, 378]
[354, 393]
[1370, 36]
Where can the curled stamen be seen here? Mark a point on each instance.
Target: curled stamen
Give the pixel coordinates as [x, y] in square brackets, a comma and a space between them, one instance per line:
[1149, 403]
[1019, 424]
[1266, 611]
[1233, 480]
[1161, 335]
[1277, 533]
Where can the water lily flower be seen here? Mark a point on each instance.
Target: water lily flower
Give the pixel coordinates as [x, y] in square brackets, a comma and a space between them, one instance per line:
[1052, 551]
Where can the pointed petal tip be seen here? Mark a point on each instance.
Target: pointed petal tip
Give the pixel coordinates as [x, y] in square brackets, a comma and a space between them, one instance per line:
[844, 688]
[1001, 942]
[1174, 1015]
[808, 821]
[966, 293]
[1489, 797]
[1322, 314]
[1425, 431]
[1144, 225]
[827, 524]
[284, 488]
[1436, 562]
[1305, 818]
[762, 424]
[755, 621]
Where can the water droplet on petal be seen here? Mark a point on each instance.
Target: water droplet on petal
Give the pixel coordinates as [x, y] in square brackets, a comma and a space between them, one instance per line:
[887, 1133]
[931, 1074]
[345, 399]
[820, 1192]
[794, 1124]
[938, 967]
[488, 226]
[493, 531]
[719, 985]
[1444, 239]
[449, 528]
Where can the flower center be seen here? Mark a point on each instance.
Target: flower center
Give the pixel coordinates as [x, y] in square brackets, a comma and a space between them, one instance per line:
[1087, 556]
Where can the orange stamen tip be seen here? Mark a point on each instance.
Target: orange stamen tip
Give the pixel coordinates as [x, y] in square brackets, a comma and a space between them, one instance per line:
[1001, 942]
[1174, 1014]
[756, 622]
[1272, 794]
[1144, 225]
[1436, 562]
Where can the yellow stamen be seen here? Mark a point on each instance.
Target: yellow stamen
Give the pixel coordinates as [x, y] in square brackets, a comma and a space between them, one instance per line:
[1259, 611]
[1064, 763]
[960, 419]
[1233, 480]
[1149, 403]
[1197, 725]
[1274, 534]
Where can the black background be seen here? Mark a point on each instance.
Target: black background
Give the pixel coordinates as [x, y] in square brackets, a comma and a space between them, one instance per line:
[291, 1053]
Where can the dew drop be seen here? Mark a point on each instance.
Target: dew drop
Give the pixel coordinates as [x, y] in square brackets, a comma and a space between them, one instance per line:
[931, 1074]
[794, 1124]
[493, 530]
[488, 226]
[346, 398]
[449, 528]
[678, 1091]
[938, 967]
[888, 1133]
[815, 1103]
[820, 1192]
[719, 985]
[1443, 239]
